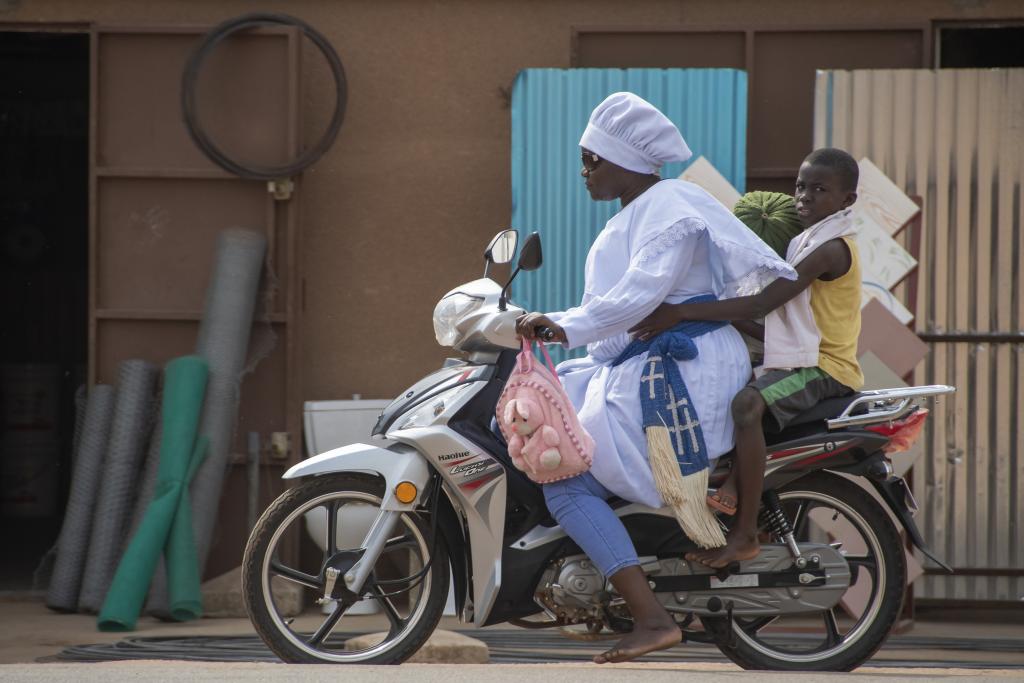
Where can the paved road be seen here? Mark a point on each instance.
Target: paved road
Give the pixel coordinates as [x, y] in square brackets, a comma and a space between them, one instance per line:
[172, 672]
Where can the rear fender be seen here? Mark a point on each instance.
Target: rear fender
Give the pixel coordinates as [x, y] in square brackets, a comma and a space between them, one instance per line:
[396, 464]
[893, 493]
[893, 490]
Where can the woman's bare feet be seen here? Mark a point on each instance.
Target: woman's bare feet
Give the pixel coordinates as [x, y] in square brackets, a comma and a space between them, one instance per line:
[738, 547]
[645, 638]
[653, 627]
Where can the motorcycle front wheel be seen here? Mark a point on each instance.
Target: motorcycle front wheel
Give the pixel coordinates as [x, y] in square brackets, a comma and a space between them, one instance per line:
[827, 508]
[397, 609]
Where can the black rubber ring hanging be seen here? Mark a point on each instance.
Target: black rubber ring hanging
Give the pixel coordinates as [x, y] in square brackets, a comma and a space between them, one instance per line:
[191, 77]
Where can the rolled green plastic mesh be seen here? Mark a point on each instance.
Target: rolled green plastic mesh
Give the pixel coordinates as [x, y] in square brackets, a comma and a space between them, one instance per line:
[167, 524]
[224, 342]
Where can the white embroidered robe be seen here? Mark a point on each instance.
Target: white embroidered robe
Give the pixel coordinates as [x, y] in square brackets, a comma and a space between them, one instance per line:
[672, 243]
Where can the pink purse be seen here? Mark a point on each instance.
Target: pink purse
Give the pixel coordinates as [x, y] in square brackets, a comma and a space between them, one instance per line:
[544, 435]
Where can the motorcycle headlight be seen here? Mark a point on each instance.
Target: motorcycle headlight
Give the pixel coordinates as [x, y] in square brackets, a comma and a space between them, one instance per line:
[447, 314]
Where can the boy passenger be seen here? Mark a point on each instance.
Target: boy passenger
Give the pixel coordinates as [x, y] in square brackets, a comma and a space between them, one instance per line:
[810, 337]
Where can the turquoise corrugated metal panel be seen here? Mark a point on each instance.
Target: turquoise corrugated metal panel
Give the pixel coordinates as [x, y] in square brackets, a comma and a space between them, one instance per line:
[550, 109]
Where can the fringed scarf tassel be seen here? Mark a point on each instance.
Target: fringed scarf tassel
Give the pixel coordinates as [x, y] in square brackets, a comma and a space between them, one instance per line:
[686, 495]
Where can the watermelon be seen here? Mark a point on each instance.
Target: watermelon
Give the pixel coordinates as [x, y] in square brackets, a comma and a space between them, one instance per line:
[772, 216]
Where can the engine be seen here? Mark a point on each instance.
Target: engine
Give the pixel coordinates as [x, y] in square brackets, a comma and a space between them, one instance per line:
[573, 590]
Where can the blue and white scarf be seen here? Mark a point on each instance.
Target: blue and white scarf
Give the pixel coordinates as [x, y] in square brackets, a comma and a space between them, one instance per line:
[667, 406]
[663, 394]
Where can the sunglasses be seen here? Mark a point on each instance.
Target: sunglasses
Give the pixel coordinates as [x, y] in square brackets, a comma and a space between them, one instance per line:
[590, 161]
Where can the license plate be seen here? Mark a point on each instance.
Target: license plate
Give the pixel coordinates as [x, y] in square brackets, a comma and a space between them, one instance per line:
[736, 581]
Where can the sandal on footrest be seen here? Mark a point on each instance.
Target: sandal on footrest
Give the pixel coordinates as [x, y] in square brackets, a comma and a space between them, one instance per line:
[726, 504]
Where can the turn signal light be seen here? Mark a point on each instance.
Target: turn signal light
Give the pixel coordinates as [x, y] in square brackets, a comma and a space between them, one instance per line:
[406, 492]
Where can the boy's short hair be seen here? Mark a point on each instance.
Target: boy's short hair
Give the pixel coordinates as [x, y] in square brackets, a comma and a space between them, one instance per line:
[839, 161]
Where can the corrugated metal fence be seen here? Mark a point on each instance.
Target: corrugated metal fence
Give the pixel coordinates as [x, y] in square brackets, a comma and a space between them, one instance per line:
[550, 109]
[955, 138]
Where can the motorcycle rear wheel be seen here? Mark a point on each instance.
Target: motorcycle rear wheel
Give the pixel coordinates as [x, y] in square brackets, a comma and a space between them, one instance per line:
[314, 637]
[830, 508]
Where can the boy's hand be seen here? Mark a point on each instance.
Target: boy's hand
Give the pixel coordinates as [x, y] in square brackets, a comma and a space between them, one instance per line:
[527, 324]
[663, 317]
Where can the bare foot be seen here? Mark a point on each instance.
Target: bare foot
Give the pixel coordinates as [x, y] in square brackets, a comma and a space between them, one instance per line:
[645, 638]
[737, 547]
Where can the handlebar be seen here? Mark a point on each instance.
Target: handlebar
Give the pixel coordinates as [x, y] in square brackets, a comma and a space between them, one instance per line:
[544, 333]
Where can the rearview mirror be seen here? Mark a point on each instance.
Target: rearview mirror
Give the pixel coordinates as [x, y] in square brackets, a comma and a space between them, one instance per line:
[503, 247]
[531, 257]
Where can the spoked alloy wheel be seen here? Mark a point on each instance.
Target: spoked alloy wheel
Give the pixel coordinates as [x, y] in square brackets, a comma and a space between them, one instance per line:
[409, 582]
[827, 508]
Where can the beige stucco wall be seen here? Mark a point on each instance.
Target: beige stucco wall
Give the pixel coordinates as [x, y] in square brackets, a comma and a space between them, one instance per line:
[399, 210]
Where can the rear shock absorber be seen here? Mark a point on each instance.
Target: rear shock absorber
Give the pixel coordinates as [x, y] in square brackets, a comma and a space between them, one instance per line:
[774, 520]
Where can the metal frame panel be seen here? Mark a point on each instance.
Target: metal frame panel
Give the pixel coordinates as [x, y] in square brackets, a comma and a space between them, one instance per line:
[283, 257]
[963, 159]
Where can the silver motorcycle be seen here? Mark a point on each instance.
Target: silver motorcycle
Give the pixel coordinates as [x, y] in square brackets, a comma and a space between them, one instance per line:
[446, 506]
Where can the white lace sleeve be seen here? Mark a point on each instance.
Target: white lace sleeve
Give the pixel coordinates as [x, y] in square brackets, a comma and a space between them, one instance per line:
[738, 270]
[651, 275]
[668, 239]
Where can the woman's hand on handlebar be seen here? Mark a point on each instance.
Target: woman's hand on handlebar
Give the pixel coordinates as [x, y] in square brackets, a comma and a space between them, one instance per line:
[529, 327]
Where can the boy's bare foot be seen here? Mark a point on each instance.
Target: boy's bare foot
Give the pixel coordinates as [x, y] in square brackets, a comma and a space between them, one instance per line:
[645, 638]
[737, 547]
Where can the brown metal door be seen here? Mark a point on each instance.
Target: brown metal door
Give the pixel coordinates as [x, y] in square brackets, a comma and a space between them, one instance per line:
[157, 206]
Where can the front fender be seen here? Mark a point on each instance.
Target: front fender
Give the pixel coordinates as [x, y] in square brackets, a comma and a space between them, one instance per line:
[395, 465]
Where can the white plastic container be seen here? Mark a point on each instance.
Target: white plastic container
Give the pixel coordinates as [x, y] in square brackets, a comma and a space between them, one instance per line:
[330, 424]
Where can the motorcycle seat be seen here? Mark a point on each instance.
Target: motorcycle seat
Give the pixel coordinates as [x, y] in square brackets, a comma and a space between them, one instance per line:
[826, 410]
[809, 422]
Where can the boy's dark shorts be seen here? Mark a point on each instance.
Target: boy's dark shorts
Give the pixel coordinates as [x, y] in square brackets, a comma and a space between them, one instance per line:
[789, 393]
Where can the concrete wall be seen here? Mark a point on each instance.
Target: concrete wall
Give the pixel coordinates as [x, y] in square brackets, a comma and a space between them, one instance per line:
[399, 210]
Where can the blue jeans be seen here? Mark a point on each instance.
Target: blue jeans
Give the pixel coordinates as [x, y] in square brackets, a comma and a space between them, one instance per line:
[579, 506]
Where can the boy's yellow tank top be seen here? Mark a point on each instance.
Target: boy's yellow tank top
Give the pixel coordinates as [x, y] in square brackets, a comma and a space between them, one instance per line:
[836, 308]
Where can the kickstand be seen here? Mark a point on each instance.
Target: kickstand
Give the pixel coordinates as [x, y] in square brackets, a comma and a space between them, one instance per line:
[731, 638]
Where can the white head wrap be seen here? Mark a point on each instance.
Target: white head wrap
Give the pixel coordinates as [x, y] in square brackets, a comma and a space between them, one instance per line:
[630, 132]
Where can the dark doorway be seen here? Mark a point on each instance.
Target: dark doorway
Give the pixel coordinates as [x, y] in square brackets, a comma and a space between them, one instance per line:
[981, 47]
[44, 240]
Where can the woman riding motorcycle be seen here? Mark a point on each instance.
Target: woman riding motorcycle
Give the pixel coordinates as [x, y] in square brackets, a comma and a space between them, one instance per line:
[670, 242]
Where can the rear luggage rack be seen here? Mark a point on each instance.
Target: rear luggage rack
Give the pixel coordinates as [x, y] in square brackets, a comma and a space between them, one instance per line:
[885, 404]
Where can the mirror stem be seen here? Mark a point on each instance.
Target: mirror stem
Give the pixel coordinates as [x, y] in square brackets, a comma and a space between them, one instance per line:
[503, 299]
